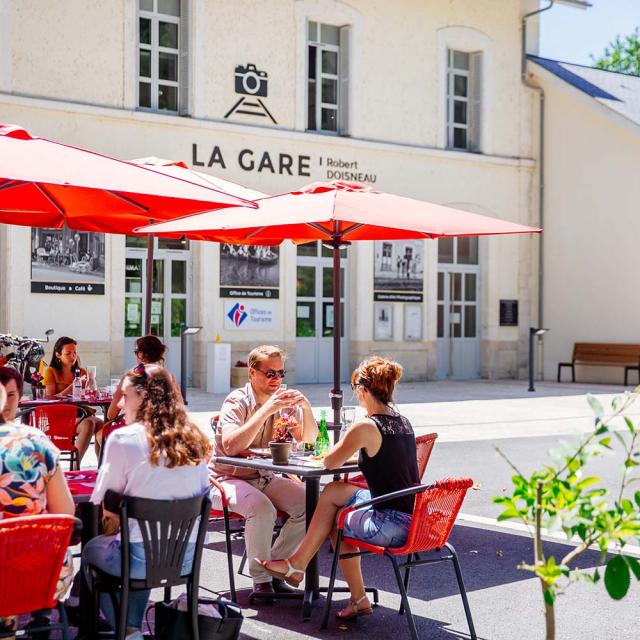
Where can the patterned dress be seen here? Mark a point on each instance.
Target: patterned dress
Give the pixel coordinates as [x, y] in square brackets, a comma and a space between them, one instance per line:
[28, 460]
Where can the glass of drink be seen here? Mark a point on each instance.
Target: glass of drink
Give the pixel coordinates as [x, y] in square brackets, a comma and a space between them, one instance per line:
[347, 417]
[114, 385]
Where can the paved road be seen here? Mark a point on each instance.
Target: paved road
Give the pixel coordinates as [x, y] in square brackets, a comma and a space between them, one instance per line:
[506, 603]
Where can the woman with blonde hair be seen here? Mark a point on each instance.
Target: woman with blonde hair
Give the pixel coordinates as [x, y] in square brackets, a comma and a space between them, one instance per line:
[387, 458]
[160, 454]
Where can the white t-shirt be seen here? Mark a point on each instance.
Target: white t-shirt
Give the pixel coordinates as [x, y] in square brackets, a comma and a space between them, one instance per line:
[126, 469]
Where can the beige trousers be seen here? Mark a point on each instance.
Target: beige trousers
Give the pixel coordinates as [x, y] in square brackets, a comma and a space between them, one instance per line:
[258, 501]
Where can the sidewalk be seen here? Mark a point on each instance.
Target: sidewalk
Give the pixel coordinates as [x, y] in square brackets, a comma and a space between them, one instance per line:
[467, 410]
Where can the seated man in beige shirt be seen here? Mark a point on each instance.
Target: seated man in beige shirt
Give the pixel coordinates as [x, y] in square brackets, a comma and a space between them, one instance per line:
[246, 420]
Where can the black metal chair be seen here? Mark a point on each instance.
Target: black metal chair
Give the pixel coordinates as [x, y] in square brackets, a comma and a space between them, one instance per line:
[166, 527]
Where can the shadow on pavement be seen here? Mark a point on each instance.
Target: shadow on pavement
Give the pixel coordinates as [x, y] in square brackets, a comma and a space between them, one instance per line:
[488, 559]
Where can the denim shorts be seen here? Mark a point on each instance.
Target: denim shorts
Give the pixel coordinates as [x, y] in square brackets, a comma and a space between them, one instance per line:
[380, 527]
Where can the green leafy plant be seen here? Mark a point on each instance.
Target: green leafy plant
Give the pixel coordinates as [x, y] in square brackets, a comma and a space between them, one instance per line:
[622, 55]
[562, 497]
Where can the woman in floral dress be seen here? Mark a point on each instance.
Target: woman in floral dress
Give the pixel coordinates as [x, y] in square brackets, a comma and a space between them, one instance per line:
[31, 483]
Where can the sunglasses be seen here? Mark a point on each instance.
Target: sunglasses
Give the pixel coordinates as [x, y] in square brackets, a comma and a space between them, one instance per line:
[355, 385]
[273, 373]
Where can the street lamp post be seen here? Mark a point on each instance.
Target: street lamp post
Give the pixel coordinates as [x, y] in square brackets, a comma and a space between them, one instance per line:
[184, 332]
[533, 331]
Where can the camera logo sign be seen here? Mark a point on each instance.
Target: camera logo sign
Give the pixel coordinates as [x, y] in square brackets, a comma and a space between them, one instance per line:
[251, 84]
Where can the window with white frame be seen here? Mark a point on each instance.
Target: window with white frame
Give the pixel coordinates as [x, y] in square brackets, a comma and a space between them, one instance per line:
[162, 55]
[327, 78]
[464, 90]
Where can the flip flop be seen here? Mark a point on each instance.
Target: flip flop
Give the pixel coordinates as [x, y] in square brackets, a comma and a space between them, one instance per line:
[288, 577]
[366, 611]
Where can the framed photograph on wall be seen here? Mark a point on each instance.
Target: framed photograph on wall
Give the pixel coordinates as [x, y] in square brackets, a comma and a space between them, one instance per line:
[413, 322]
[383, 321]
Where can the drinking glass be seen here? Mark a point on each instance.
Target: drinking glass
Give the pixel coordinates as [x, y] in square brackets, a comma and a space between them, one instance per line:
[114, 385]
[347, 417]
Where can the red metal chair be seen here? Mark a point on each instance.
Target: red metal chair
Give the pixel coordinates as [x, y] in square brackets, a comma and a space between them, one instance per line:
[107, 429]
[424, 447]
[435, 510]
[60, 422]
[32, 550]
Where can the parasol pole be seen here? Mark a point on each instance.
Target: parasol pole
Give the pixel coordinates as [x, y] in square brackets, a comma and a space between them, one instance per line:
[336, 392]
[149, 291]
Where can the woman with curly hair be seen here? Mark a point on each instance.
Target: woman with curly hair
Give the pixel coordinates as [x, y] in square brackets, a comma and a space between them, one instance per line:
[388, 460]
[160, 454]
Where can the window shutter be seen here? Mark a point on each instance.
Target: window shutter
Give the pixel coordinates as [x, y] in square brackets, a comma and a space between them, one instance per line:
[475, 102]
[183, 69]
[343, 90]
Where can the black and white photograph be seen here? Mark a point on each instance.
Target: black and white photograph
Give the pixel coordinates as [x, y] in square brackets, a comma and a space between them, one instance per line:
[398, 265]
[67, 261]
[251, 266]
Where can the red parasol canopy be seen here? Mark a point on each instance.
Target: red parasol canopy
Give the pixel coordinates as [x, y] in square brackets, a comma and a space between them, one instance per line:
[49, 184]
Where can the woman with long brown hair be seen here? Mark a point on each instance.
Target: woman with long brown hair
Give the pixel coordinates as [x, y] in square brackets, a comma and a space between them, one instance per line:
[58, 381]
[160, 454]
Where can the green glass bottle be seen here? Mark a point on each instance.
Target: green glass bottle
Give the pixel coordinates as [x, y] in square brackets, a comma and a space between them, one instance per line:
[322, 441]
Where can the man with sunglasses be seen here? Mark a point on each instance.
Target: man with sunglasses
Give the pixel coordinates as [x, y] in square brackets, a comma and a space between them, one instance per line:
[246, 421]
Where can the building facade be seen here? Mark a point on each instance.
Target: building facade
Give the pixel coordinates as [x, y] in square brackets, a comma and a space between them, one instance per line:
[419, 99]
[592, 142]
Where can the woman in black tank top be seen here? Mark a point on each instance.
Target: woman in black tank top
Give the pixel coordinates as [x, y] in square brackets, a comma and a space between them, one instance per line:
[387, 457]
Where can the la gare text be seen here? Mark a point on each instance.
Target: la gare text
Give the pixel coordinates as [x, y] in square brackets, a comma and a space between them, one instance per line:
[249, 160]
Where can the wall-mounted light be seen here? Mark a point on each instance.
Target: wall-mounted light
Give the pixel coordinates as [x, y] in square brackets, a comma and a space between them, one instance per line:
[184, 332]
[533, 331]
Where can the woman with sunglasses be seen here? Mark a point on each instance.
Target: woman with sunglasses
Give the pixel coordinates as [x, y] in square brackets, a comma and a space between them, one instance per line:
[148, 350]
[387, 458]
[160, 454]
[58, 381]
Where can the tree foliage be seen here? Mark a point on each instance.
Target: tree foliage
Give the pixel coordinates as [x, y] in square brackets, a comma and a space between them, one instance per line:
[562, 496]
[622, 55]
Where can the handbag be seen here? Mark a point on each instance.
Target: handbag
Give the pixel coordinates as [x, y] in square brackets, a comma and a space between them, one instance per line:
[173, 624]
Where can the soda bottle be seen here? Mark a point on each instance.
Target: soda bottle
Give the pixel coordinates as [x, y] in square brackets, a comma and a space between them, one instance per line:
[76, 389]
[322, 441]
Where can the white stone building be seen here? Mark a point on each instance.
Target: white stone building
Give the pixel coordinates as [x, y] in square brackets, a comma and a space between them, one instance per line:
[420, 99]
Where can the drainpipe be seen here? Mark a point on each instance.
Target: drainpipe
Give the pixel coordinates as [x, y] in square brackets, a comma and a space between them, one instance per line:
[540, 91]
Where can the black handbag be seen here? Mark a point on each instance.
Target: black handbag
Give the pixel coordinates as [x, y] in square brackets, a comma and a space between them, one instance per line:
[173, 624]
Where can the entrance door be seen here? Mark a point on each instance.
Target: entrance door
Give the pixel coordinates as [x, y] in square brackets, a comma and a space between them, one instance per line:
[314, 314]
[170, 303]
[458, 314]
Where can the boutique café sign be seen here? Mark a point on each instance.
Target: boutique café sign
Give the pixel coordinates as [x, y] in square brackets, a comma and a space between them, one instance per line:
[264, 161]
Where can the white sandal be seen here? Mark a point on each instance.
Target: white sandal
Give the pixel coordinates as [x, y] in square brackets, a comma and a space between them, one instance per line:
[366, 611]
[287, 577]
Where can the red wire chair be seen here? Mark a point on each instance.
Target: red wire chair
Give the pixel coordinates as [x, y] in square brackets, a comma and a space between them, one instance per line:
[434, 514]
[60, 422]
[32, 550]
[424, 448]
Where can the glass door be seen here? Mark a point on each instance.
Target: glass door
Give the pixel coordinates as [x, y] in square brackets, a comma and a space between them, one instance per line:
[169, 302]
[314, 314]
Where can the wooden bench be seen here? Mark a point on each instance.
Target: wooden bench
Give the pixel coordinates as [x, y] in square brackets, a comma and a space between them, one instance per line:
[604, 355]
